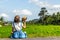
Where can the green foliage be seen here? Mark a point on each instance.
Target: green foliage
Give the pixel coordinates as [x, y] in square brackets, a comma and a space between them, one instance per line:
[49, 19]
[42, 13]
[33, 30]
[1, 18]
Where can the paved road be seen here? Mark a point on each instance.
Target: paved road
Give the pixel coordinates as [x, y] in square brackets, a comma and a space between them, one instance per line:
[55, 38]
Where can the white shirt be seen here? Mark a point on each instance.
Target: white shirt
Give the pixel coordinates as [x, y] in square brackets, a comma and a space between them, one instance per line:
[17, 26]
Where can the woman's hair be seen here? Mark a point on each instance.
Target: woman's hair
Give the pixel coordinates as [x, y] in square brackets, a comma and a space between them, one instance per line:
[17, 18]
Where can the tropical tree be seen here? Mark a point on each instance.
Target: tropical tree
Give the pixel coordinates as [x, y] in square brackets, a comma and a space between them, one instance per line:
[1, 18]
[42, 14]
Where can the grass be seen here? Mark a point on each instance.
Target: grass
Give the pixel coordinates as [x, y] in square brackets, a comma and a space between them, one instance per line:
[33, 30]
[5, 31]
[43, 30]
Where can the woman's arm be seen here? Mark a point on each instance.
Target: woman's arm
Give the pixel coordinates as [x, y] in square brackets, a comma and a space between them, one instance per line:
[24, 24]
[12, 29]
[24, 21]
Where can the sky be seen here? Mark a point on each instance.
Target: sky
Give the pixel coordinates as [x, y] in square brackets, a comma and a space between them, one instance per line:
[28, 8]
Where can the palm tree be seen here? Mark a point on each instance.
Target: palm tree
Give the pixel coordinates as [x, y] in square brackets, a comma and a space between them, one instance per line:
[42, 13]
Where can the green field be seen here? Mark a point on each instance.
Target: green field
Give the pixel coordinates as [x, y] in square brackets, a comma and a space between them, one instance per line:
[33, 30]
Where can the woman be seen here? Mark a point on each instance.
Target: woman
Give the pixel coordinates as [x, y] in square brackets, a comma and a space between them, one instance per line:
[17, 28]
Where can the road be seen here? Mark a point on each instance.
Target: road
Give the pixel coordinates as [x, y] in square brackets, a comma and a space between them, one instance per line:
[50, 38]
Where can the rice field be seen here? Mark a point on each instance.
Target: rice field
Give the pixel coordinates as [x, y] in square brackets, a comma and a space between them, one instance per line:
[33, 30]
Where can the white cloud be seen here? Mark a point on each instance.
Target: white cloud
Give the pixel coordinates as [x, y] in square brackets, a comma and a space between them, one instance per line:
[44, 4]
[4, 15]
[55, 8]
[22, 12]
[39, 3]
[33, 1]
[26, 12]
[17, 12]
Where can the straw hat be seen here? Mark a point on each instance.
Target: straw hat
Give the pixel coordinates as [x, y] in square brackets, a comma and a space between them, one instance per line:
[24, 18]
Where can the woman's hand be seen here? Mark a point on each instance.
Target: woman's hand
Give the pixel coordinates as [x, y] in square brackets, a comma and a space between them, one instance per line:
[11, 32]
